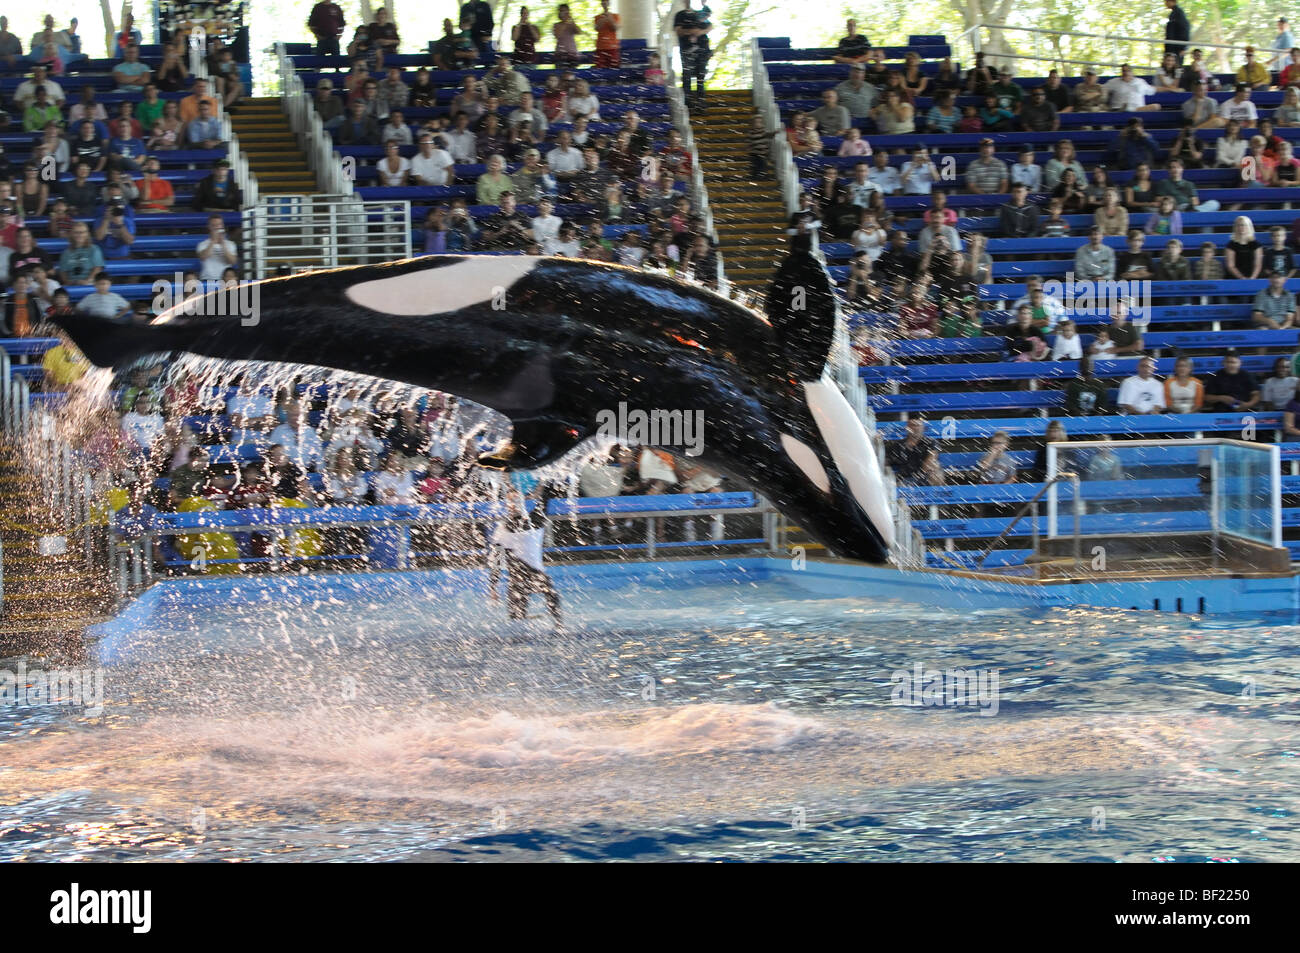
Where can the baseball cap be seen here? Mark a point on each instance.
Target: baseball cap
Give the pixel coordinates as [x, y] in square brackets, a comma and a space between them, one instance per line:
[858, 68]
[325, 84]
[1090, 72]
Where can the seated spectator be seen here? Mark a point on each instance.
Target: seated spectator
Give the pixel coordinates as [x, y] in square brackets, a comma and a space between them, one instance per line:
[40, 112]
[216, 253]
[82, 260]
[1089, 96]
[1279, 388]
[583, 103]
[1199, 110]
[893, 115]
[995, 118]
[115, 230]
[857, 95]
[168, 132]
[189, 106]
[589, 184]
[996, 466]
[22, 311]
[131, 75]
[218, 192]
[204, 132]
[1251, 73]
[1172, 265]
[532, 180]
[915, 458]
[882, 175]
[1142, 393]
[654, 74]
[1274, 308]
[919, 175]
[528, 120]
[1243, 256]
[25, 93]
[505, 82]
[1231, 388]
[105, 303]
[1023, 340]
[125, 152]
[1127, 93]
[393, 169]
[507, 228]
[359, 129]
[396, 130]
[41, 286]
[225, 73]
[1111, 217]
[1017, 218]
[432, 165]
[1095, 261]
[986, 175]
[1085, 395]
[493, 183]
[917, 317]
[156, 193]
[1184, 394]
[88, 108]
[144, 425]
[1024, 171]
[1125, 339]
[1135, 264]
[546, 226]
[328, 106]
[1067, 346]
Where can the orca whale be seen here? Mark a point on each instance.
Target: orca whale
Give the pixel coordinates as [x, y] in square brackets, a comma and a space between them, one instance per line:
[553, 342]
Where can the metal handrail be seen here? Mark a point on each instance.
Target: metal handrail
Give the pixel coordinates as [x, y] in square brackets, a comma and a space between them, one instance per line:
[1032, 503]
[332, 177]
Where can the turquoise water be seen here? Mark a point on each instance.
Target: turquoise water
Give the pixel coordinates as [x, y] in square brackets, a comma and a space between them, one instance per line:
[731, 720]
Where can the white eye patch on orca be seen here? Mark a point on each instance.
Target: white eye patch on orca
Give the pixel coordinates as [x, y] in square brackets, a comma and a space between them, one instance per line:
[805, 458]
[476, 280]
[843, 434]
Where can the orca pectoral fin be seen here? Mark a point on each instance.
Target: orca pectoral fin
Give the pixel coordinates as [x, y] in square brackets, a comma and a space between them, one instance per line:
[533, 444]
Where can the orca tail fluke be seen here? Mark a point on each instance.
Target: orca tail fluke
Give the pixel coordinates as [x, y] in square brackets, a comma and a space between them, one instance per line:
[801, 306]
[113, 345]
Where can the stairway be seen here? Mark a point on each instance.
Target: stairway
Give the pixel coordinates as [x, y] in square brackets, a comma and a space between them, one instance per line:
[749, 215]
[266, 138]
[48, 600]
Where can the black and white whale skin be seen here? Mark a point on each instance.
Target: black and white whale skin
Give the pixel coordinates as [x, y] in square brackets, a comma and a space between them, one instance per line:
[552, 342]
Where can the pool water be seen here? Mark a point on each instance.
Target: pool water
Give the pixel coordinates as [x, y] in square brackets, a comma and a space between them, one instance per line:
[739, 719]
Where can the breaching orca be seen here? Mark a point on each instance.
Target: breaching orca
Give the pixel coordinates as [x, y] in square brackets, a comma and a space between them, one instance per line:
[553, 342]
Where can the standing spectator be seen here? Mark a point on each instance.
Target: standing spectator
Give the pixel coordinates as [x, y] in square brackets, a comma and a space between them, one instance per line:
[1282, 44]
[853, 47]
[1231, 388]
[479, 13]
[1177, 30]
[566, 31]
[326, 24]
[525, 35]
[11, 48]
[692, 28]
[608, 53]
[1142, 393]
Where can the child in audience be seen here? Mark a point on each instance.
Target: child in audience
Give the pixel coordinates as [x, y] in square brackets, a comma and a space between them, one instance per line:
[970, 120]
[1068, 346]
[1055, 225]
[1208, 267]
[654, 74]
[1102, 346]
[853, 144]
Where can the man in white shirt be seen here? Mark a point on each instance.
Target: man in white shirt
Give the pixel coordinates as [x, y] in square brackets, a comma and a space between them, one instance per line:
[461, 142]
[565, 160]
[1128, 93]
[1142, 393]
[860, 186]
[216, 252]
[1239, 107]
[26, 90]
[884, 175]
[432, 165]
[299, 439]
[546, 227]
[529, 117]
[919, 175]
[395, 130]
